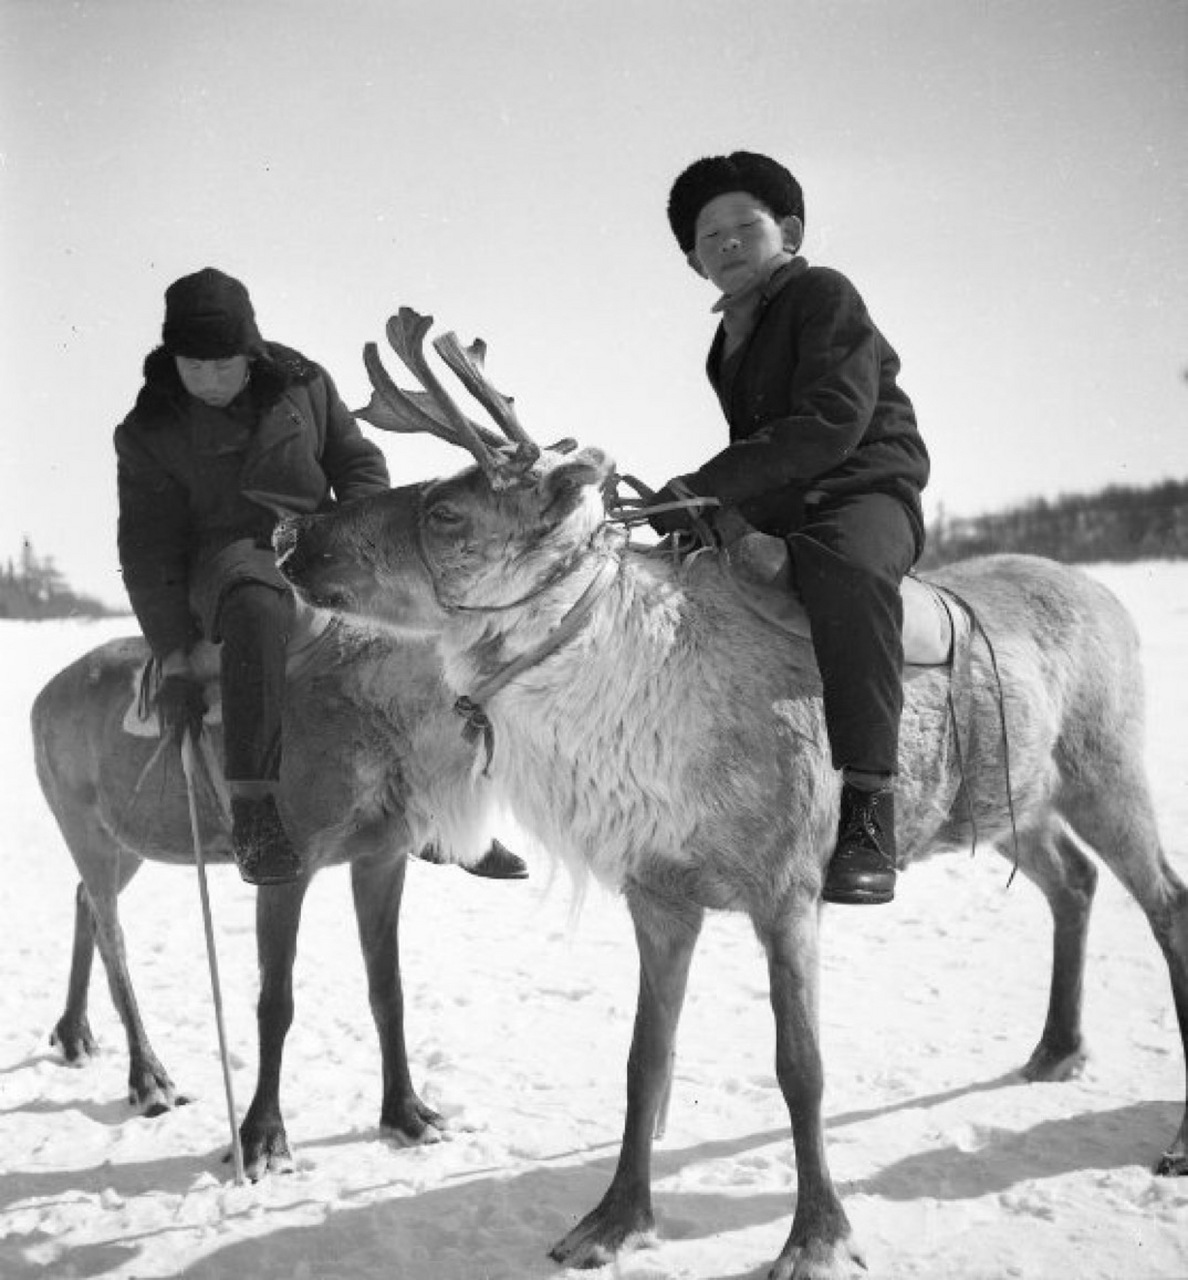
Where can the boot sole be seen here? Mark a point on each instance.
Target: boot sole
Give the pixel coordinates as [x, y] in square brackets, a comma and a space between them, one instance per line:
[498, 875]
[287, 877]
[858, 897]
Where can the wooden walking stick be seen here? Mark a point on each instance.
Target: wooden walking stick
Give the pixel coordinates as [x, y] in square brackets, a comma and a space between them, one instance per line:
[187, 756]
[661, 1126]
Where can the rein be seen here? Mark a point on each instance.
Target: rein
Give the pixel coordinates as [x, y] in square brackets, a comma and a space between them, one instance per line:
[977, 628]
[557, 574]
[471, 706]
[476, 722]
[636, 511]
[629, 512]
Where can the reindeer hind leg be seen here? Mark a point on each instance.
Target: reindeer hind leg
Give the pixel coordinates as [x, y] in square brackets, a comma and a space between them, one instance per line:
[1051, 858]
[72, 1035]
[1118, 821]
[106, 871]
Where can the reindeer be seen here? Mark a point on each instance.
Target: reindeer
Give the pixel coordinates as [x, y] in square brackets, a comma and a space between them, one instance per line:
[373, 770]
[643, 721]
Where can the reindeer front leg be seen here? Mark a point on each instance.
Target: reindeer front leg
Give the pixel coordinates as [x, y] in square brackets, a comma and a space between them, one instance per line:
[665, 934]
[820, 1245]
[377, 884]
[278, 915]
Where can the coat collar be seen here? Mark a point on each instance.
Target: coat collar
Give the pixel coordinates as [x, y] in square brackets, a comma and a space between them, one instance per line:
[162, 398]
[761, 295]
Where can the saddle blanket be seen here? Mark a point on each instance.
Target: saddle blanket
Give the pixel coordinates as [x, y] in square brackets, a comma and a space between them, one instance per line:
[140, 718]
[934, 625]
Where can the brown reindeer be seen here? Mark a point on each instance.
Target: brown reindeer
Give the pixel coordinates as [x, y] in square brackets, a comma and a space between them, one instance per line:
[642, 720]
[373, 769]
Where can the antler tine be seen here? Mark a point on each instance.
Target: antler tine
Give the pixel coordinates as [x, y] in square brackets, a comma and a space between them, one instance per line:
[406, 332]
[467, 364]
[391, 408]
[396, 408]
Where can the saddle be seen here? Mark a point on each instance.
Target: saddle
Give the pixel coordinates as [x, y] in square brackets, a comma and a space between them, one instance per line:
[934, 625]
[140, 717]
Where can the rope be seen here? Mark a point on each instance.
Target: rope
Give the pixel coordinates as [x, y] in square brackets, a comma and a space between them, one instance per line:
[636, 511]
[954, 719]
[476, 723]
[976, 626]
[633, 511]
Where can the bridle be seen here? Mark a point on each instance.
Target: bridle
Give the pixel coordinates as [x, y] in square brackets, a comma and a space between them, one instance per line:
[629, 512]
[471, 706]
[506, 460]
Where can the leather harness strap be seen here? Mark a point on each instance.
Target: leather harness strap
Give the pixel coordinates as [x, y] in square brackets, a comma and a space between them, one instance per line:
[471, 707]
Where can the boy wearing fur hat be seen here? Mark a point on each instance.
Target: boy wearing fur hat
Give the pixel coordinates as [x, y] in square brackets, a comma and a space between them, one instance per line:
[824, 452]
[229, 433]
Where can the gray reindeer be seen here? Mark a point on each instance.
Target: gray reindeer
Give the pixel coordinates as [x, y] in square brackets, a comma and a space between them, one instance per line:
[373, 770]
[643, 721]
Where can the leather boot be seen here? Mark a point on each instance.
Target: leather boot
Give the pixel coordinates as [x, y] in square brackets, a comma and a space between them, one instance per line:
[262, 848]
[498, 863]
[862, 870]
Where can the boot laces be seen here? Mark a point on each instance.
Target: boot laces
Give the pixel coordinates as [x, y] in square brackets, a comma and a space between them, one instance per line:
[861, 824]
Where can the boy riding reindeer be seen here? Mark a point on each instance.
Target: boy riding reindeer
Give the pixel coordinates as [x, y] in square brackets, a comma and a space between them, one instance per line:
[228, 434]
[824, 452]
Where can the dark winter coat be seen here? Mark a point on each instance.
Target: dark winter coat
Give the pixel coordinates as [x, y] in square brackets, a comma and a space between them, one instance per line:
[196, 513]
[813, 406]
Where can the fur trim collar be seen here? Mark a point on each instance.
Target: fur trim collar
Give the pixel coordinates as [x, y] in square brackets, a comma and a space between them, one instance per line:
[163, 395]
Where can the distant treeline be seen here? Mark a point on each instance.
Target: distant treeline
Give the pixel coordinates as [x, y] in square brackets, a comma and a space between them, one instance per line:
[33, 587]
[1117, 523]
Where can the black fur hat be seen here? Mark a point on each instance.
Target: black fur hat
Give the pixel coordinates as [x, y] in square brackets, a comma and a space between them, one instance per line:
[209, 316]
[704, 180]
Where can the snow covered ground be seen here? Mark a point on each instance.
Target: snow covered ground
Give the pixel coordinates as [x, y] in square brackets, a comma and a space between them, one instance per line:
[519, 1021]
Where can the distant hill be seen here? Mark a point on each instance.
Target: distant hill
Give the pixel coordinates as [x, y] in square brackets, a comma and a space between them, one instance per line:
[33, 588]
[1119, 523]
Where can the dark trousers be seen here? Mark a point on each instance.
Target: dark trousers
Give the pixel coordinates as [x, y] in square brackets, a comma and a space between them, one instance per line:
[254, 622]
[849, 558]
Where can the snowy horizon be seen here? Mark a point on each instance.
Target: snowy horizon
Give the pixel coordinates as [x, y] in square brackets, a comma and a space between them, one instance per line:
[518, 1023]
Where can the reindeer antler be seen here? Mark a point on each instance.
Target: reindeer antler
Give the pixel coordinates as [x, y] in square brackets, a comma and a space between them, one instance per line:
[467, 364]
[392, 408]
[434, 412]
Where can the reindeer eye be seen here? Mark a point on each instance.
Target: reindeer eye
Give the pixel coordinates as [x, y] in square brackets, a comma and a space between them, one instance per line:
[443, 517]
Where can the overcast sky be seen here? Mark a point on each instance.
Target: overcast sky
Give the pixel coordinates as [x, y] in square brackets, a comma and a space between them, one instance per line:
[1006, 183]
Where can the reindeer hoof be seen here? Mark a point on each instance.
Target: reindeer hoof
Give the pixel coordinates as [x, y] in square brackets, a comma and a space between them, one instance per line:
[1053, 1065]
[615, 1226]
[821, 1260]
[264, 1141]
[590, 1254]
[161, 1107]
[152, 1093]
[412, 1124]
[74, 1042]
[265, 1157]
[425, 1136]
[1173, 1164]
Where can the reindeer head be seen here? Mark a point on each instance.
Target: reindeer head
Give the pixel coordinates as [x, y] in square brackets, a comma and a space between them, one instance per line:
[492, 535]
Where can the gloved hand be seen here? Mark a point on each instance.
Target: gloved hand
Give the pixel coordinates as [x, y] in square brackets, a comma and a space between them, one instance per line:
[679, 519]
[181, 704]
